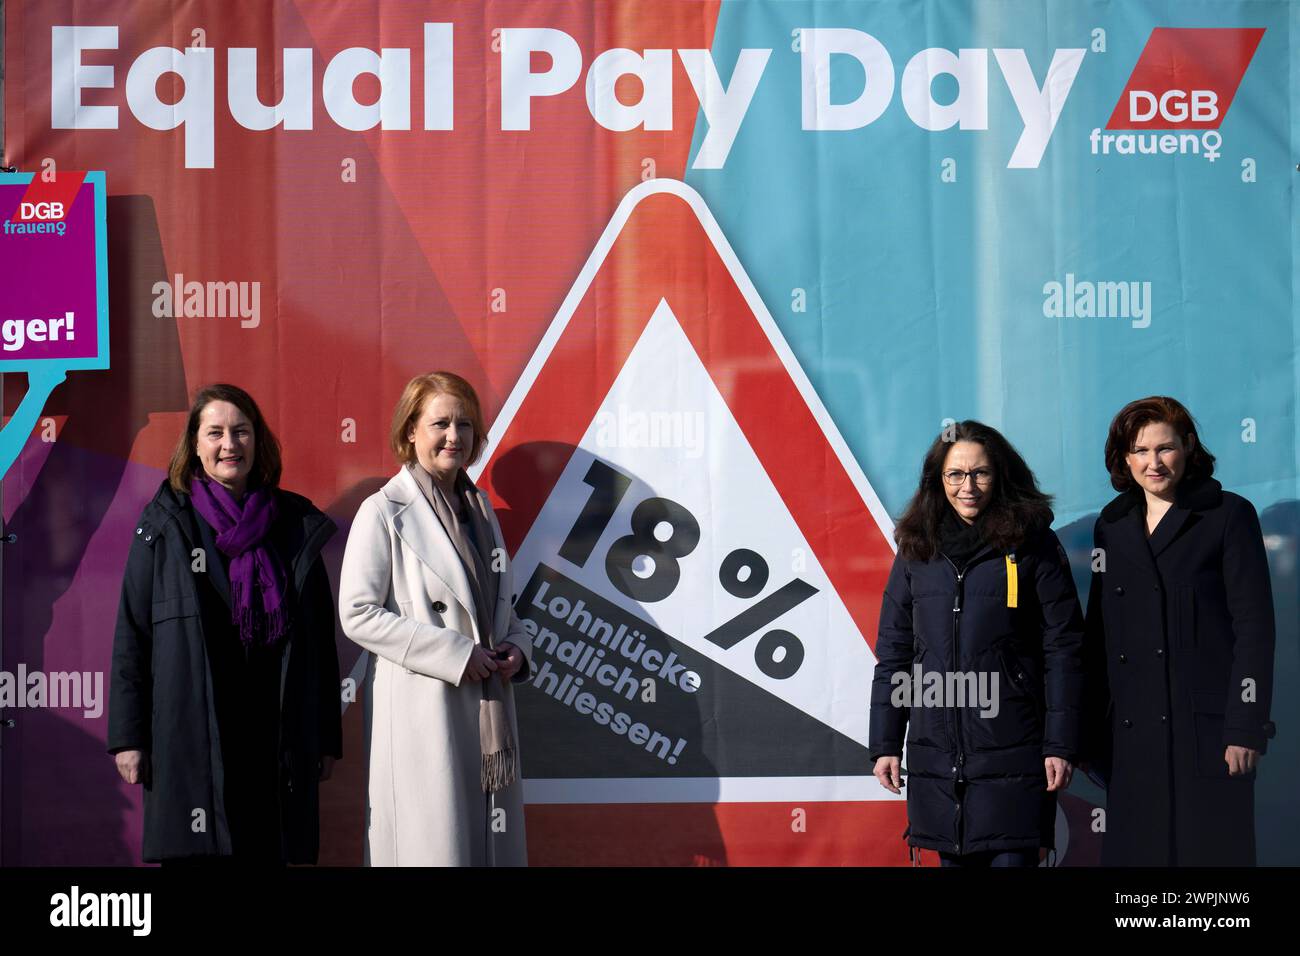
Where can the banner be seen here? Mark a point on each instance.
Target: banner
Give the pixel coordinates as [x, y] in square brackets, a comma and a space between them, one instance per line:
[720, 273]
[53, 267]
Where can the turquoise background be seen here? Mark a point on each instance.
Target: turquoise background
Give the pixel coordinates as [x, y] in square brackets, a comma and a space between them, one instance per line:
[925, 298]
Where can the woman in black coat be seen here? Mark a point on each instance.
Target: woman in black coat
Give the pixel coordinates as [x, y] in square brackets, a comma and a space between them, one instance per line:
[224, 696]
[981, 611]
[1180, 647]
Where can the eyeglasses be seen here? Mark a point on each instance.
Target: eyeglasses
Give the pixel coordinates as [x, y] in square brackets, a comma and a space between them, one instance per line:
[956, 477]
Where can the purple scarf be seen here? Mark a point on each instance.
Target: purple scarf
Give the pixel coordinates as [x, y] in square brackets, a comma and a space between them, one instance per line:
[241, 529]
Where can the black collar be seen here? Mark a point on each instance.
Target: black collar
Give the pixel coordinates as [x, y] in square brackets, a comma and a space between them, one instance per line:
[1199, 495]
[313, 528]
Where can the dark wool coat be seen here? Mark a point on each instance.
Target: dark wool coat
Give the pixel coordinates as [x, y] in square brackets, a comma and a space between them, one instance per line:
[1180, 649]
[161, 693]
[977, 783]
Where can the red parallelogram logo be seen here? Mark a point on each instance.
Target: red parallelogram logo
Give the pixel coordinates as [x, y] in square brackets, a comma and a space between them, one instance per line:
[1185, 78]
[49, 201]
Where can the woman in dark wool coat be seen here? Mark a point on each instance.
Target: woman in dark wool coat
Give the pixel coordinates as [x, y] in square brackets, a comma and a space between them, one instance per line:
[1180, 649]
[224, 695]
[981, 607]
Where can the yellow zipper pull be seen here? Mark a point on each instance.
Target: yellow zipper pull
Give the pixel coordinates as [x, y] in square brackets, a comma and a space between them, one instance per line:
[1013, 584]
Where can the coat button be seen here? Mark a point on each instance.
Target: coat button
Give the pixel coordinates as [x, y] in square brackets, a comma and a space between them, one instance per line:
[1160, 652]
[148, 537]
[1119, 591]
[439, 607]
[139, 530]
[1164, 718]
[1155, 587]
[1123, 658]
[1128, 723]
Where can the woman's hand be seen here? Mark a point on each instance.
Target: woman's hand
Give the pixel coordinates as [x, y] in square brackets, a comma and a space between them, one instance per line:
[480, 665]
[509, 667]
[1059, 772]
[888, 772]
[133, 765]
[1240, 760]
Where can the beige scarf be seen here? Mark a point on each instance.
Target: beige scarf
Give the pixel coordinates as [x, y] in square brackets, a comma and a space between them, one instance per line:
[465, 520]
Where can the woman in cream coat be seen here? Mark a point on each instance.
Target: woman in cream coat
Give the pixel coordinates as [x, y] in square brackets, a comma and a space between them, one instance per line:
[424, 562]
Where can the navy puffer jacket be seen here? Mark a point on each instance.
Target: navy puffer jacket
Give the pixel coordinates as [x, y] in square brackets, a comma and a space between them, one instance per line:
[975, 779]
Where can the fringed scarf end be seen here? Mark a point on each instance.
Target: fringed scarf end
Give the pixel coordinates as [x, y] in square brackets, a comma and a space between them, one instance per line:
[497, 746]
[498, 770]
[260, 626]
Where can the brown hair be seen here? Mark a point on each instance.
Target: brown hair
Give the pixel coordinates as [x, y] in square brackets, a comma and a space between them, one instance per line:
[418, 391]
[1133, 417]
[1016, 509]
[266, 449]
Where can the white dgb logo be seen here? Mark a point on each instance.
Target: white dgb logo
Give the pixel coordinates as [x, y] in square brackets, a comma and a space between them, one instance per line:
[1173, 105]
[41, 210]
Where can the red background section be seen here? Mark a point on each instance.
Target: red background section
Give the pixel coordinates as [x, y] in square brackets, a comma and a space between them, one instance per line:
[363, 285]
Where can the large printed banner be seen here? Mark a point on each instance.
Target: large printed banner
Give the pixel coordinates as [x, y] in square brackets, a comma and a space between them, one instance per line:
[720, 272]
[693, 393]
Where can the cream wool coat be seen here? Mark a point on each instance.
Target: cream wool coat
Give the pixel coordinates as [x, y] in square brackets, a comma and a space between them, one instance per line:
[405, 597]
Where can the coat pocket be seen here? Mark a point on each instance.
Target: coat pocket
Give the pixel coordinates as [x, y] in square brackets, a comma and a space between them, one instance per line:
[1006, 713]
[1186, 617]
[1207, 717]
[171, 608]
[927, 725]
[1021, 677]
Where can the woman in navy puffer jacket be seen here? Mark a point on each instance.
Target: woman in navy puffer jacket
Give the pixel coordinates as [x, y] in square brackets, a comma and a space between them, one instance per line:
[978, 657]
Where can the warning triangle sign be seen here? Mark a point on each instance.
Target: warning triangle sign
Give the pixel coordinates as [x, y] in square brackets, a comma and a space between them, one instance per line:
[698, 556]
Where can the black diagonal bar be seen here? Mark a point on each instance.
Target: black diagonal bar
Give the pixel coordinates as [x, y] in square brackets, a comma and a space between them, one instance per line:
[754, 619]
